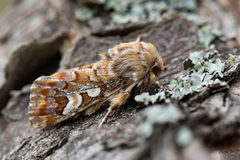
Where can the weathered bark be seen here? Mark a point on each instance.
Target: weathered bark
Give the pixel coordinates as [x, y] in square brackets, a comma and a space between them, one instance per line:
[209, 119]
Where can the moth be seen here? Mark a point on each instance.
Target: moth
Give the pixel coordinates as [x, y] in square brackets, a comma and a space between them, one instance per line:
[125, 70]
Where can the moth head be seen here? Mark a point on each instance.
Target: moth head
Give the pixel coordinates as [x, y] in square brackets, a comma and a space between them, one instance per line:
[135, 60]
[154, 61]
[157, 66]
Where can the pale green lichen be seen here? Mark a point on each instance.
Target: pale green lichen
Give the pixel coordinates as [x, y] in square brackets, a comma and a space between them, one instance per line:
[184, 136]
[120, 6]
[146, 98]
[207, 34]
[125, 11]
[204, 72]
[85, 13]
[193, 17]
[137, 11]
[158, 114]
[183, 4]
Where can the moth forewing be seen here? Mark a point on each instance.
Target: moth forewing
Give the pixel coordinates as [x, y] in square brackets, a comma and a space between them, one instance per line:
[125, 70]
[62, 95]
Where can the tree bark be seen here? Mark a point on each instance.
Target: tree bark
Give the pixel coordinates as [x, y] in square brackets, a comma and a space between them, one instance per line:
[202, 125]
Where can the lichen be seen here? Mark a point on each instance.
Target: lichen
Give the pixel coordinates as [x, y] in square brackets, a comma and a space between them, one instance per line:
[184, 136]
[203, 72]
[85, 13]
[157, 114]
[189, 5]
[207, 34]
[126, 11]
[145, 98]
[194, 17]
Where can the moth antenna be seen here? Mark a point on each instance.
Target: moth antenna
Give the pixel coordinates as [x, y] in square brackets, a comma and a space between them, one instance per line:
[104, 56]
[139, 38]
[154, 78]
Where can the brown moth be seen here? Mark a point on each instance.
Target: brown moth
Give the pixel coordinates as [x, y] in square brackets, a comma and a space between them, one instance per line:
[124, 71]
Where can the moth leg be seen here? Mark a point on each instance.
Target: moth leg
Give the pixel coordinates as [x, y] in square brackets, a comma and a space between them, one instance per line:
[106, 116]
[154, 78]
[116, 102]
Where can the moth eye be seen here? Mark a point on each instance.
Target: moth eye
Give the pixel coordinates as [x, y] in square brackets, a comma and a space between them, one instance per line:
[156, 70]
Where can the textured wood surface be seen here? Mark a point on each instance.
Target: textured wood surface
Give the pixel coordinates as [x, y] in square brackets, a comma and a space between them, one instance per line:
[209, 119]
